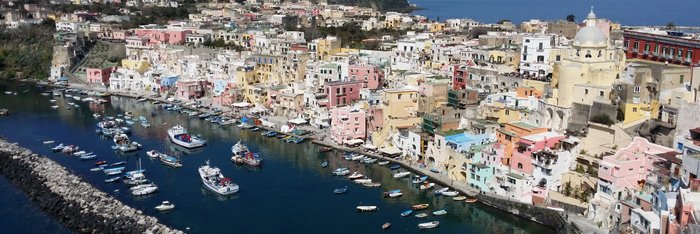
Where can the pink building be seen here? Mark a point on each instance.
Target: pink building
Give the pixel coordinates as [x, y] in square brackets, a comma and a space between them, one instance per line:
[537, 144]
[99, 75]
[347, 124]
[628, 168]
[163, 36]
[372, 76]
[191, 89]
[341, 93]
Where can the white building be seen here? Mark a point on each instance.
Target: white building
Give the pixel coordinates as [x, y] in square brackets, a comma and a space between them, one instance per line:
[535, 53]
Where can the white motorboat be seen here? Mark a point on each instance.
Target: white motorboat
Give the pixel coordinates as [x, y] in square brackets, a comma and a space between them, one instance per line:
[429, 225]
[367, 208]
[357, 157]
[355, 175]
[54, 107]
[402, 174]
[241, 154]
[145, 190]
[153, 154]
[49, 142]
[215, 181]
[166, 205]
[123, 143]
[382, 163]
[450, 193]
[427, 186]
[179, 136]
[341, 171]
[363, 181]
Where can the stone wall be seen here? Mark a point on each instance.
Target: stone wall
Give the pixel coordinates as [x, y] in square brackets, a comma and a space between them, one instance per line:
[68, 198]
[548, 217]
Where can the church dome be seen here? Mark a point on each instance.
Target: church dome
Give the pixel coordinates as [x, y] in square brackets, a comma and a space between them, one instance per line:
[590, 36]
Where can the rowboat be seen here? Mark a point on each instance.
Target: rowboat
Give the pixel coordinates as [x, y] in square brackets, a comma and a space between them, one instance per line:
[341, 190]
[421, 215]
[382, 163]
[113, 179]
[395, 167]
[401, 174]
[324, 164]
[439, 212]
[362, 181]
[450, 193]
[429, 225]
[49, 142]
[420, 179]
[426, 186]
[100, 163]
[420, 206]
[371, 185]
[460, 198]
[440, 191]
[406, 213]
[386, 226]
[366, 208]
[355, 175]
[471, 200]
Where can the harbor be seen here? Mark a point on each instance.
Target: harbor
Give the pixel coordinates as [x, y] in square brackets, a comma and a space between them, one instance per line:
[291, 177]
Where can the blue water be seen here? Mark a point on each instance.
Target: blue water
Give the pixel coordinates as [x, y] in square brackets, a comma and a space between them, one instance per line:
[291, 193]
[627, 12]
[19, 215]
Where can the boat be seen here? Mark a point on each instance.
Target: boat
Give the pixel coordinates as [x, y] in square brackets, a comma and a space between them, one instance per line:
[324, 164]
[170, 161]
[460, 198]
[420, 179]
[325, 149]
[362, 181]
[241, 154]
[145, 191]
[57, 148]
[96, 169]
[143, 99]
[421, 215]
[88, 157]
[440, 191]
[341, 190]
[401, 174]
[179, 136]
[141, 186]
[153, 154]
[450, 193]
[382, 163]
[357, 157]
[406, 213]
[123, 143]
[439, 212]
[355, 175]
[215, 181]
[372, 185]
[113, 172]
[341, 171]
[393, 193]
[421, 206]
[113, 179]
[366, 208]
[135, 179]
[49, 142]
[118, 163]
[100, 163]
[54, 107]
[386, 226]
[166, 205]
[426, 186]
[434, 170]
[429, 225]
[395, 167]
[471, 200]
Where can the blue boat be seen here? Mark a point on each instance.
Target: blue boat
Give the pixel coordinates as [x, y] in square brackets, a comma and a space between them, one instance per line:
[394, 191]
[341, 190]
[324, 164]
[406, 213]
[88, 157]
[420, 179]
[118, 163]
[395, 167]
[435, 170]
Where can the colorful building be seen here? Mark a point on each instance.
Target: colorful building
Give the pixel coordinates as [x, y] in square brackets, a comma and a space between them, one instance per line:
[662, 46]
[341, 93]
[347, 124]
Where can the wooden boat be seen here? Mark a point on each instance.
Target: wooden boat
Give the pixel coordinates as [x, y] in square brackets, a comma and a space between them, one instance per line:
[471, 200]
[421, 215]
[100, 163]
[426, 186]
[421, 206]
[439, 212]
[429, 225]
[386, 226]
[406, 213]
[460, 198]
[366, 208]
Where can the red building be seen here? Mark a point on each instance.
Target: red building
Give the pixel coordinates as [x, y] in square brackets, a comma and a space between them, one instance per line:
[459, 80]
[341, 93]
[662, 48]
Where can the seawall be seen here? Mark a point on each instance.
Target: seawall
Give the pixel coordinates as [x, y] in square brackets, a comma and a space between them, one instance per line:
[69, 199]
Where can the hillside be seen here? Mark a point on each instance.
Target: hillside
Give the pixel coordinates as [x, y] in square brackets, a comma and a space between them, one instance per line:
[26, 52]
[382, 5]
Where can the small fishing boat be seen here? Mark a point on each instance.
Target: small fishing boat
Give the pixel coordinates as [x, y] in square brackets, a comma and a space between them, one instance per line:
[241, 155]
[341, 171]
[471, 200]
[421, 206]
[113, 179]
[153, 154]
[440, 191]
[382, 163]
[393, 193]
[170, 161]
[100, 163]
[166, 205]
[355, 175]
[395, 167]
[357, 157]
[114, 172]
[96, 169]
[341, 190]
[421, 215]
[215, 181]
[372, 185]
[54, 107]
[429, 225]
[439, 212]
[386, 226]
[450, 193]
[49, 142]
[419, 179]
[57, 148]
[88, 157]
[426, 186]
[324, 164]
[401, 174]
[179, 136]
[362, 181]
[118, 163]
[406, 213]
[145, 191]
[325, 149]
[366, 208]
[460, 198]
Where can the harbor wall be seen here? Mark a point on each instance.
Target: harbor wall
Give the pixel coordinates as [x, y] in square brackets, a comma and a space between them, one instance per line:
[69, 199]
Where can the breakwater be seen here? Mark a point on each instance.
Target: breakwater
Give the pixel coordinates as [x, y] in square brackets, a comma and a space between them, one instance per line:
[68, 198]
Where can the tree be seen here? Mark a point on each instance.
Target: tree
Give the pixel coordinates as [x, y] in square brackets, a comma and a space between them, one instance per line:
[670, 26]
[571, 18]
[602, 119]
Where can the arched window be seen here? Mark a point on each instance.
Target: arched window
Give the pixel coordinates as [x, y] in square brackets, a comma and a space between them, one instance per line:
[588, 54]
[600, 53]
[578, 52]
[520, 166]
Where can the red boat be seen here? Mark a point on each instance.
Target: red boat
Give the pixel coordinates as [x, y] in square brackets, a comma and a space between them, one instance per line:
[100, 163]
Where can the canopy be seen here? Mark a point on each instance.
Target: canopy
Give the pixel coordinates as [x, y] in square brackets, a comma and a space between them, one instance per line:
[390, 150]
[257, 109]
[241, 104]
[369, 146]
[298, 120]
[354, 141]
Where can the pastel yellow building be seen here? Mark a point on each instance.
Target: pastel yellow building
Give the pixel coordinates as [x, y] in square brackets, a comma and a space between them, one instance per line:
[399, 110]
[140, 66]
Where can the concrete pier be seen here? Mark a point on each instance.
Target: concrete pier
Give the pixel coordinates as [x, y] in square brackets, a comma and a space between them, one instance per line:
[68, 198]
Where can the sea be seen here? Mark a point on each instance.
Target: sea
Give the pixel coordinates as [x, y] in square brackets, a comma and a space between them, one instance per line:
[626, 12]
[290, 193]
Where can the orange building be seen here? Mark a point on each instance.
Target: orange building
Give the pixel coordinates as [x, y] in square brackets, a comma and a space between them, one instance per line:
[511, 133]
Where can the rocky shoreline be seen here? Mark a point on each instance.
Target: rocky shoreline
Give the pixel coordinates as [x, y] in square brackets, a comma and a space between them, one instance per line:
[69, 199]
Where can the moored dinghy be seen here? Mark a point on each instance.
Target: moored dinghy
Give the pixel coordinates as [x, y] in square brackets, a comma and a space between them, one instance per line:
[429, 225]
[166, 205]
[366, 208]
[341, 190]
[439, 212]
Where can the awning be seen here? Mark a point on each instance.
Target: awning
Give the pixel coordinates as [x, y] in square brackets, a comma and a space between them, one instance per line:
[297, 121]
[241, 104]
[257, 109]
[369, 146]
[354, 141]
[390, 150]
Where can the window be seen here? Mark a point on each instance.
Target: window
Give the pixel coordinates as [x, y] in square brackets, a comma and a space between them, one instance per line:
[646, 47]
[399, 97]
[520, 166]
[524, 49]
[558, 58]
[507, 112]
[680, 52]
[627, 44]
[337, 90]
[601, 93]
[585, 91]
[656, 49]
[689, 54]
[637, 89]
[682, 78]
[588, 54]
[619, 87]
[672, 50]
[635, 100]
[636, 45]
[524, 57]
[540, 47]
[634, 109]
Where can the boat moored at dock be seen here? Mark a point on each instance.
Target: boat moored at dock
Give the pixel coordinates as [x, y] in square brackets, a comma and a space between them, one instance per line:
[179, 136]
